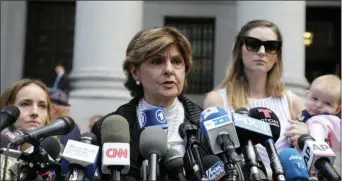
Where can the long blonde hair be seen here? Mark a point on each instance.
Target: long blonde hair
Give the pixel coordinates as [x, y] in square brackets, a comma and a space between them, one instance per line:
[236, 83]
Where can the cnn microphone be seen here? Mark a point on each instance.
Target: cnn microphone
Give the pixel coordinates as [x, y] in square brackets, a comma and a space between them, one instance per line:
[173, 164]
[318, 157]
[60, 126]
[115, 137]
[153, 145]
[153, 117]
[293, 164]
[268, 116]
[8, 116]
[79, 158]
[214, 168]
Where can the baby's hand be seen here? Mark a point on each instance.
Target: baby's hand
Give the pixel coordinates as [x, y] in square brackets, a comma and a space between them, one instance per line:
[294, 131]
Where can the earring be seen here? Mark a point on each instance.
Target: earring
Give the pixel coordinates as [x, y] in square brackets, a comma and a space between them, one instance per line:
[137, 82]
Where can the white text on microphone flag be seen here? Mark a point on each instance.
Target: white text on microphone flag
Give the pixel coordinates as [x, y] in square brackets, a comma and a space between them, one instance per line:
[316, 149]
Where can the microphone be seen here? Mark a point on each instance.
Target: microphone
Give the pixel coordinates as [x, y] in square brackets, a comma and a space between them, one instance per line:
[48, 144]
[60, 126]
[8, 136]
[51, 146]
[318, 156]
[214, 168]
[153, 117]
[294, 166]
[8, 116]
[173, 164]
[153, 145]
[222, 137]
[268, 116]
[251, 131]
[188, 132]
[115, 137]
[79, 158]
[214, 121]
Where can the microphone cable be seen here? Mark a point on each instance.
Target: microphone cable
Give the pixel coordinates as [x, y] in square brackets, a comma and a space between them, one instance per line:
[239, 170]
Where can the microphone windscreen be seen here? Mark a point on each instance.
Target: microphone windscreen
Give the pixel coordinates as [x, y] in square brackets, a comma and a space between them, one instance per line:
[187, 128]
[173, 161]
[68, 121]
[293, 164]
[89, 137]
[153, 117]
[302, 139]
[153, 139]
[51, 146]
[268, 116]
[213, 167]
[115, 129]
[12, 111]
[209, 161]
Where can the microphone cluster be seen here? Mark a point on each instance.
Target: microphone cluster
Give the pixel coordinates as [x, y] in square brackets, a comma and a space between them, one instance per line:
[232, 140]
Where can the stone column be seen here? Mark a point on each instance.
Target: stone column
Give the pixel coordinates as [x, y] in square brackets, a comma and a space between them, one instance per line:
[290, 18]
[103, 30]
[12, 40]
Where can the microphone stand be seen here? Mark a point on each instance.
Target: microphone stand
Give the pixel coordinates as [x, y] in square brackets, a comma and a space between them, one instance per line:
[153, 160]
[35, 163]
[116, 175]
[195, 156]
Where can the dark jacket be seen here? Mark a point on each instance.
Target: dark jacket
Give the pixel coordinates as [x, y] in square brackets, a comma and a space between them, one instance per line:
[128, 111]
[64, 83]
[75, 134]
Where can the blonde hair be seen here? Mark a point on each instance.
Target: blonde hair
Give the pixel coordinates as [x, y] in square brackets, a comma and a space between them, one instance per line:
[235, 82]
[329, 82]
[149, 42]
[9, 95]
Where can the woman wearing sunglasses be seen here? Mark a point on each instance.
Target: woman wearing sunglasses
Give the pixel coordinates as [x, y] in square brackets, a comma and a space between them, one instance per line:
[254, 79]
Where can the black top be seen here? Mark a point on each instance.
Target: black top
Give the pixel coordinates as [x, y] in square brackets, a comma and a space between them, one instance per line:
[128, 111]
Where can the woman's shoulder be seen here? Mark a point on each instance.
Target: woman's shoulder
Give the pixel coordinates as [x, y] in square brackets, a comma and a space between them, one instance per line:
[296, 105]
[214, 98]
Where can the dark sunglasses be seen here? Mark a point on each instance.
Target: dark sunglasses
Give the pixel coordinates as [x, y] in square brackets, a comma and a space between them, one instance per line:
[254, 44]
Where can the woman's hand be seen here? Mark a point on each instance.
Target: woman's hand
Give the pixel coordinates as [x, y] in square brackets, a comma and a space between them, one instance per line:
[295, 130]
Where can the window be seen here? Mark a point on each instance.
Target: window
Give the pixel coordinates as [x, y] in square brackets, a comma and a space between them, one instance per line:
[201, 34]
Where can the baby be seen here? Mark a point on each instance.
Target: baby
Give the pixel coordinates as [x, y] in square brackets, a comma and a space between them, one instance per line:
[322, 105]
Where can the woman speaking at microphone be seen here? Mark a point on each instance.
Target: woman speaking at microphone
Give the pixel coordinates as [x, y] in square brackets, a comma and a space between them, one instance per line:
[156, 64]
[31, 97]
[254, 80]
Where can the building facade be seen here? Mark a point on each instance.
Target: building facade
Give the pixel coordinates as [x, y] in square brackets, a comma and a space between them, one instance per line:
[95, 35]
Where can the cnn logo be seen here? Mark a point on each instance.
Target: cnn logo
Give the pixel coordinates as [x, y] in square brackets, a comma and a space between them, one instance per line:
[117, 153]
